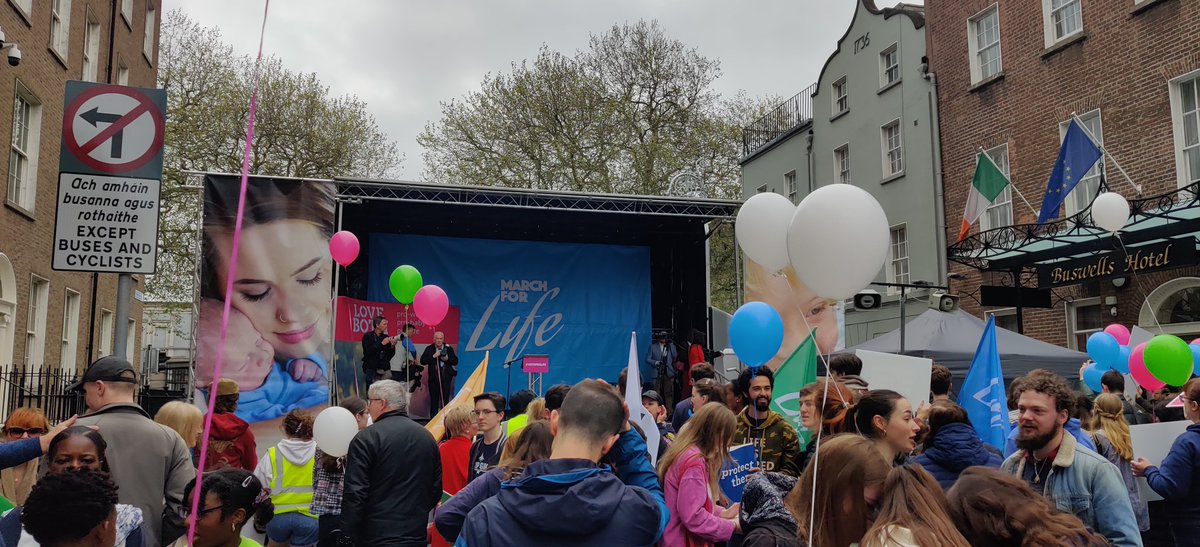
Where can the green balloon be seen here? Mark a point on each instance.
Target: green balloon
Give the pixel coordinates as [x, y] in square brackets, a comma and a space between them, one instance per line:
[405, 281]
[1169, 359]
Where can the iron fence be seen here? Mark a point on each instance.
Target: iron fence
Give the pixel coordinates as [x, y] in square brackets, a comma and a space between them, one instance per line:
[49, 390]
[781, 119]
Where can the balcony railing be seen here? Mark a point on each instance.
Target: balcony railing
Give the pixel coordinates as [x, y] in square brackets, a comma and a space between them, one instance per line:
[790, 114]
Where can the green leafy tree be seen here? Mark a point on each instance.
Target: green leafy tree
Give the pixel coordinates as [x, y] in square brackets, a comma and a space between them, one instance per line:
[629, 114]
[301, 130]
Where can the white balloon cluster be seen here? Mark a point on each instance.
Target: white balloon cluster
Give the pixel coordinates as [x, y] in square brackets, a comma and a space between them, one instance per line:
[836, 239]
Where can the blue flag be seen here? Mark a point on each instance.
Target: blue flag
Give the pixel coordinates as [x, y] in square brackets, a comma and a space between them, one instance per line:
[982, 394]
[1075, 158]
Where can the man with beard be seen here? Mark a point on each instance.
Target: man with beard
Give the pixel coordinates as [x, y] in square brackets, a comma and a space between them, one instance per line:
[775, 441]
[1074, 478]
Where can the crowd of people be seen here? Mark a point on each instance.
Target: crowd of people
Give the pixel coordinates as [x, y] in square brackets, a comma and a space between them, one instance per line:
[868, 468]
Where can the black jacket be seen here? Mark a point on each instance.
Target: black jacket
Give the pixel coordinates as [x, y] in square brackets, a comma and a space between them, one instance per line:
[376, 355]
[450, 365]
[393, 481]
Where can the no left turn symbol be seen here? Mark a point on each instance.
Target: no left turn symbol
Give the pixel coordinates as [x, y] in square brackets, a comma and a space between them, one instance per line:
[113, 129]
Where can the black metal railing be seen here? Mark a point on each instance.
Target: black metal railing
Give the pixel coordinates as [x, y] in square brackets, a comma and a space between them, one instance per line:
[791, 113]
[48, 389]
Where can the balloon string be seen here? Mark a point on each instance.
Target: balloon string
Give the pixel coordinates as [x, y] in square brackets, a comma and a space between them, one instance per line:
[229, 278]
[812, 508]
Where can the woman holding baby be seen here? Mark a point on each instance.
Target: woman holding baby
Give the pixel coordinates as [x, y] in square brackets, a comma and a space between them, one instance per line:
[278, 329]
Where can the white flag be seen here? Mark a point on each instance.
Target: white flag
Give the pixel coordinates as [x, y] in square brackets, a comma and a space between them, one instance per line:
[633, 397]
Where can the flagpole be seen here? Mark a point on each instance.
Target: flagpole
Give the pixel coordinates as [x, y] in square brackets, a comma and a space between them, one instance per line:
[1137, 187]
[1011, 184]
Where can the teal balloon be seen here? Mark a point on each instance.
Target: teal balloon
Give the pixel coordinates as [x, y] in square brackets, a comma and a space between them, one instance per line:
[1169, 359]
[1091, 376]
[404, 283]
[1195, 358]
[1122, 364]
[755, 333]
[1103, 349]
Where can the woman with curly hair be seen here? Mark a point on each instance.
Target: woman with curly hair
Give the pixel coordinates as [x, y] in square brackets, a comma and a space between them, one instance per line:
[996, 509]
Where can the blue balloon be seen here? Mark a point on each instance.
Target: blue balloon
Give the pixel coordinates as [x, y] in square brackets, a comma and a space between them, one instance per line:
[756, 333]
[1103, 348]
[1122, 364]
[1195, 358]
[1091, 377]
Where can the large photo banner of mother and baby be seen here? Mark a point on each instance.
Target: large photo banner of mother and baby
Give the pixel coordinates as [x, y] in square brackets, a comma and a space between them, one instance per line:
[576, 303]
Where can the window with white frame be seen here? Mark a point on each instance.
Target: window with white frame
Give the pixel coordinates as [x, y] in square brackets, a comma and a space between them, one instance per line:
[841, 96]
[841, 160]
[984, 44]
[893, 149]
[898, 255]
[131, 341]
[1005, 318]
[127, 11]
[789, 182]
[122, 74]
[1000, 212]
[70, 330]
[60, 27]
[91, 50]
[1063, 19]
[1185, 107]
[106, 333]
[889, 65]
[1089, 185]
[23, 154]
[151, 26]
[26, 6]
[35, 326]
[1083, 318]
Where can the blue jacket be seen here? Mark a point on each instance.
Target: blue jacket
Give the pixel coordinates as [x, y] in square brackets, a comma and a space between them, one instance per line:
[955, 447]
[575, 503]
[1073, 427]
[451, 515]
[1178, 480]
[1083, 483]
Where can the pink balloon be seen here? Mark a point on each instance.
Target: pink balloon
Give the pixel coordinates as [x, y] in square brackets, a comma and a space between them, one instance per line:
[1119, 332]
[344, 247]
[1141, 375]
[1194, 342]
[431, 304]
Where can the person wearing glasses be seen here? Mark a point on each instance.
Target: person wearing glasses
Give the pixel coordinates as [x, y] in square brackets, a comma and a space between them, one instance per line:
[79, 449]
[228, 498]
[329, 474]
[1178, 478]
[16, 482]
[486, 450]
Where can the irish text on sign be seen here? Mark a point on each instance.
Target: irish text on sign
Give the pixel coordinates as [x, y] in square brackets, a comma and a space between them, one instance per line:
[106, 224]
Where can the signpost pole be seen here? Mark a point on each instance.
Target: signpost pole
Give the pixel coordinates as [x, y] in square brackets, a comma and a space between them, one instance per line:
[121, 329]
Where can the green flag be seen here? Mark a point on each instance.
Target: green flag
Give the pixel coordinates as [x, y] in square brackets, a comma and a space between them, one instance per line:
[798, 371]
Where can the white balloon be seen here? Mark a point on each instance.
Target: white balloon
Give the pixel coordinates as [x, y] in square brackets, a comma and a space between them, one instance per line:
[762, 228]
[838, 240]
[1110, 211]
[333, 430]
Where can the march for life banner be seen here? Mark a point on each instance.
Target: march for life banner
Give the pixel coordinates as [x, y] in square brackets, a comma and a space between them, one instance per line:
[575, 303]
[354, 319]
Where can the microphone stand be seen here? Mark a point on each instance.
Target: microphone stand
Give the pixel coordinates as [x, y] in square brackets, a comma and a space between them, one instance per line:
[508, 367]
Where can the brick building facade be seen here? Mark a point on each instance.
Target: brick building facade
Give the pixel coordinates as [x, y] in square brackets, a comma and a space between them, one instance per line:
[44, 314]
[1010, 74]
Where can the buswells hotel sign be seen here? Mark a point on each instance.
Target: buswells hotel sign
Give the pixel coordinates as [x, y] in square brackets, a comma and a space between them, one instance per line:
[1174, 253]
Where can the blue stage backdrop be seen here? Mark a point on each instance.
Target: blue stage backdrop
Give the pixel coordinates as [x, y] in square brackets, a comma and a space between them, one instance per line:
[576, 303]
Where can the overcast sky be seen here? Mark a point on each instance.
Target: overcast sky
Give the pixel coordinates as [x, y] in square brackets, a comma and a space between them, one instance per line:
[405, 56]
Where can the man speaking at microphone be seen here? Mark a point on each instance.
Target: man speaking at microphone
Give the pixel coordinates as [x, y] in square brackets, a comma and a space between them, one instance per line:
[442, 364]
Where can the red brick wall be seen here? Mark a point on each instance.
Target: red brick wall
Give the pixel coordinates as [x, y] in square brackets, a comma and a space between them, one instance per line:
[28, 239]
[1122, 67]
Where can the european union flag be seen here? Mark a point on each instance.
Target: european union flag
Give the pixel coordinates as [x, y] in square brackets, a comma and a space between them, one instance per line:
[1075, 158]
[982, 394]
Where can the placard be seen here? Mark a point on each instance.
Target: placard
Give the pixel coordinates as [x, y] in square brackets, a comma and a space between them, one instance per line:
[106, 224]
[736, 471]
[908, 376]
[1153, 441]
[535, 364]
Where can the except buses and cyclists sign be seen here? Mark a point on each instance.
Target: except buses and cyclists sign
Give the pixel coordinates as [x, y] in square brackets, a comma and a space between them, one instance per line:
[110, 179]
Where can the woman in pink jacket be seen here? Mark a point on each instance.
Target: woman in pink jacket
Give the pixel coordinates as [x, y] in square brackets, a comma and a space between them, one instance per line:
[689, 471]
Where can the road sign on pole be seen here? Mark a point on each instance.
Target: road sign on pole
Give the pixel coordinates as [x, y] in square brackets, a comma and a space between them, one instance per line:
[110, 179]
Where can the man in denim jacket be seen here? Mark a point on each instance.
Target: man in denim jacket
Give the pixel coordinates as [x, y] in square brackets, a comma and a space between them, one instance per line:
[1074, 478]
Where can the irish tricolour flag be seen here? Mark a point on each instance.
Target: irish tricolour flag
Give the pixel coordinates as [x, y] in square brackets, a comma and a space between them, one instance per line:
[986, 186]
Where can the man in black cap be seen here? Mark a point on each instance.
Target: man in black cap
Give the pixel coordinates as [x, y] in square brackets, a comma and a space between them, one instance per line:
[657, 407]
[150, 462]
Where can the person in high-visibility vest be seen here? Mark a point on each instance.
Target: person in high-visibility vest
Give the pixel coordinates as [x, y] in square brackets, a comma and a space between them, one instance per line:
[287, 469]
